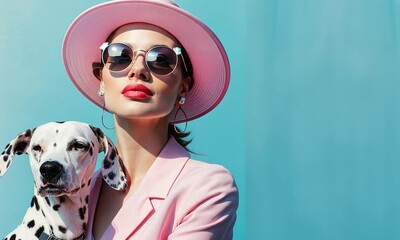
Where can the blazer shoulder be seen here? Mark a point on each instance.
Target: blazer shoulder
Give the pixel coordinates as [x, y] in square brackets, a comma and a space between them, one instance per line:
[201, 167]
[208, 177]
[207, 199]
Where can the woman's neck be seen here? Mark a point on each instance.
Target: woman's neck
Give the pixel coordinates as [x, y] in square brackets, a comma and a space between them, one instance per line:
[139, 142]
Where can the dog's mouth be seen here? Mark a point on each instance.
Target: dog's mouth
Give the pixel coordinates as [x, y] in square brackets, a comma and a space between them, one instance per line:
[52, 189]
[56, 190]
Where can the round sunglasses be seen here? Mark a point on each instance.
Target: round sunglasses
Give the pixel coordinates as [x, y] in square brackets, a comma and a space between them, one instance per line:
[161, 60]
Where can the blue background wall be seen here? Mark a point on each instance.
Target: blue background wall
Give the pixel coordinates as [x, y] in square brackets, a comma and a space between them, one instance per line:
[323, 126]
[310, 126]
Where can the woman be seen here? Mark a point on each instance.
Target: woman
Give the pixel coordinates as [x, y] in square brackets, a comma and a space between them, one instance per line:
[153, 65]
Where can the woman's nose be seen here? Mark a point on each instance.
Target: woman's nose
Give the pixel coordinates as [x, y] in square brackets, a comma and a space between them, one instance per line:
[138, 69]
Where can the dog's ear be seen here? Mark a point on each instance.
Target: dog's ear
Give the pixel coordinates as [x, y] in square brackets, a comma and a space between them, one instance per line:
[111, 168]
[100, 137]
[18, 146]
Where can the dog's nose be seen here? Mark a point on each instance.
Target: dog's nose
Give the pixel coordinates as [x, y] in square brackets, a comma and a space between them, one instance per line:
[51, 170]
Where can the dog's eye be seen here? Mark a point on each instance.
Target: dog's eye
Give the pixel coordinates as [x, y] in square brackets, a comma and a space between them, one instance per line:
[37, 148]
[79, 146]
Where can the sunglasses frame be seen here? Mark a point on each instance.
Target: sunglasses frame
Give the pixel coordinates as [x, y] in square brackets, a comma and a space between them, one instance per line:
[176, 50]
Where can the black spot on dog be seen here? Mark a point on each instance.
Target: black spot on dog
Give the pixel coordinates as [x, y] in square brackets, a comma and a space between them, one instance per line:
[57, 131]
[44, 215]
[55, 145]
[56, 207]
[20, 147]
[82, 212]
[113, 154]
[62, 229]
[84, 227]
[87, 199]
[62, 199]
[31, 224]
[28, 133]
[97, 131]
[8, 164]
[100, 135]
[8, 149]
[39, 232]
[106, 164]
[61, 122]
[91, 151]
[47, 200]
[5, 158]
[111, 175]
[89, 181]
[13, 237]
[35, 203]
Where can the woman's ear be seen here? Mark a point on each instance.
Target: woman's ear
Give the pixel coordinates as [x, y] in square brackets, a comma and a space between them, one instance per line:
[185, 85]
[97, 67]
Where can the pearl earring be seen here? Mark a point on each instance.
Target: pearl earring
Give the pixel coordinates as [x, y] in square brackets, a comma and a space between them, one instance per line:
[182, 100]
[100, 93]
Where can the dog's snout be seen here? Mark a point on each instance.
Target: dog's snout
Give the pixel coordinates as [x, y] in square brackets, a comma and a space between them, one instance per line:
[50, 171]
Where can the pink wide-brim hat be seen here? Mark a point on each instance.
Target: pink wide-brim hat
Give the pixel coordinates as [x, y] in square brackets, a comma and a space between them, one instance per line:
[90, 29]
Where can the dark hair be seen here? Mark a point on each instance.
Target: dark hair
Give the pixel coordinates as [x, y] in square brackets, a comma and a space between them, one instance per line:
[180, 137]
[189, 67]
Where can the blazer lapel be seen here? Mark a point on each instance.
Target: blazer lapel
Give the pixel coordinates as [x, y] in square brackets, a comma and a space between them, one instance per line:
[131, 216]
[137, 208]
[164, 171]
[156, 184]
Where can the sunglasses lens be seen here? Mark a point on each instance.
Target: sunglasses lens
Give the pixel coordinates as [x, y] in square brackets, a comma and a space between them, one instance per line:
[118, 55]
[161, 60]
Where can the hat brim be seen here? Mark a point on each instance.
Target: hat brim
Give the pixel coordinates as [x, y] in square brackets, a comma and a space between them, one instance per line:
[89, 30]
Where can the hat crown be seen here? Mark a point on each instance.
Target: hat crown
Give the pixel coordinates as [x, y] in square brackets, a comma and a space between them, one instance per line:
[171, 2]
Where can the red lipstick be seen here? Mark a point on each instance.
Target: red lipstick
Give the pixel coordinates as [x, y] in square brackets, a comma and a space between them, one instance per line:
[136, 92]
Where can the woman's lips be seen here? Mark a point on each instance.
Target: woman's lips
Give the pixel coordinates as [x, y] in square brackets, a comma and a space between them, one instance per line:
[136, 91]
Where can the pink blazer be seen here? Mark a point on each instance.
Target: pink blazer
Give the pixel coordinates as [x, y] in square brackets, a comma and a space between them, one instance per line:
[179, 198]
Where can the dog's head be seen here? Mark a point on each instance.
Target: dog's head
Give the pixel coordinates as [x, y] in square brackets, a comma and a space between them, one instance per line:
[63, 157]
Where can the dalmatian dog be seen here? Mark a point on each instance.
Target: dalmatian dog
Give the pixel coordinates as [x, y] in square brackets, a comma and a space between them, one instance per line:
[62, 157]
